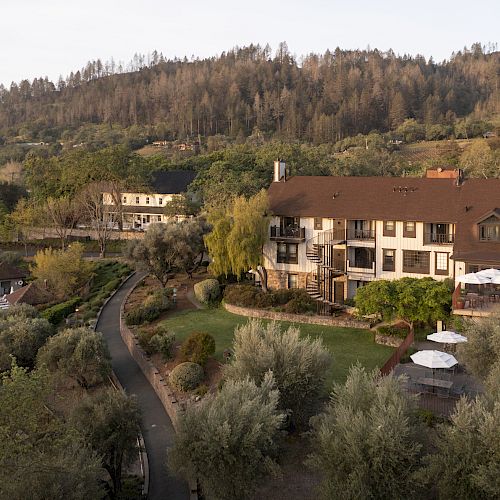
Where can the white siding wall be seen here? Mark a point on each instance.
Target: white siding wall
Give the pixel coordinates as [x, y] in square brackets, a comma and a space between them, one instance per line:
[129, 199]
[399, 243]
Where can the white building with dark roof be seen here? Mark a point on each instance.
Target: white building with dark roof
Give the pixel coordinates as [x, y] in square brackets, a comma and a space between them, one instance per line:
[138, 210]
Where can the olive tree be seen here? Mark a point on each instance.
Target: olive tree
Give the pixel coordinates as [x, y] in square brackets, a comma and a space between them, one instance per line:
[78, 353]
[167, 249]
[299, 365]
[41, 455]
[227, 443]
[366, 443]
[22, 334]
[466, 463]
[110, 424]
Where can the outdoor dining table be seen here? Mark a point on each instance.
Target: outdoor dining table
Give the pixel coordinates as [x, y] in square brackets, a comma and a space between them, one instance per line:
[435, 382]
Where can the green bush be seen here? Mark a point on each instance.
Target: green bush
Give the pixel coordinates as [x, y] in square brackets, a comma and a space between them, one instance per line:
[207, 291]
[301, 303]
[186, 376]
[163, 343]
[198, 347]
[399, 330]
[142, 314]
[296, 301]
[57, 313]
[144, 337]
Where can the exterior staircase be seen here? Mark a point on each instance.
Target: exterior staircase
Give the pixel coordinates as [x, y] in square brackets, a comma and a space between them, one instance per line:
[319, 252]
[4, 303]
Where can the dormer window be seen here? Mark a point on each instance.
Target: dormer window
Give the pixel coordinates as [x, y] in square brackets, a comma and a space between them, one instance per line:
[489, 228]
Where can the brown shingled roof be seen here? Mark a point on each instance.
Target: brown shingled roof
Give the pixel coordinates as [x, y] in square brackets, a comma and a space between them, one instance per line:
[30, 294]
[395, 198]
[9, 272]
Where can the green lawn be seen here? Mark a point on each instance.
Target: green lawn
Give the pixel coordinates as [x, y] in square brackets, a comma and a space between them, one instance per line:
[347, 345]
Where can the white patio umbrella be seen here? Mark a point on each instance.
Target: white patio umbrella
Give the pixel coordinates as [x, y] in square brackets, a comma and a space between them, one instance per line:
[496, 280]
[434, 359]
[447, 337]
[489, 273]
[473, 279]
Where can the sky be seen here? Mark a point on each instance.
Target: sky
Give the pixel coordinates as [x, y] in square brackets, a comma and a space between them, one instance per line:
[54, 37]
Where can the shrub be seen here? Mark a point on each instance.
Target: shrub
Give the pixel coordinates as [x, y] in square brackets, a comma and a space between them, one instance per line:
[144, 337]
[207, 291]
[300, 303]
[186, 376]
[163, 344]
[57, 313]
[399, 330]
[158, 302]
[299, 365]
[198, 347]
[241, 295]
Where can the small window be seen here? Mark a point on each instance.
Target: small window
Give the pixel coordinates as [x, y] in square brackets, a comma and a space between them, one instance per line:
[293, 281]
[159, 218]
[287, 253]
[409, 230]
[442, 263]
[124, 199]
[318, 223]
[389, 228]
[389, 259]
[137, 200]
[160, 201]
[147, 200]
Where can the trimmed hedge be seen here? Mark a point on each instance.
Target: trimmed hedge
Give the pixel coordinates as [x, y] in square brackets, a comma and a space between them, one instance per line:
[57, 313]
[186, 376]
[207, 291]
[399, 330]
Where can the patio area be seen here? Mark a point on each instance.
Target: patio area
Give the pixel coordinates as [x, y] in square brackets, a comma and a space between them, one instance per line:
[439, 390]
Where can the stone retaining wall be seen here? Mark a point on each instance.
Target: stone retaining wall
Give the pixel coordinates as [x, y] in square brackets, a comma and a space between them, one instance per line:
[297, 318]
[388, 340]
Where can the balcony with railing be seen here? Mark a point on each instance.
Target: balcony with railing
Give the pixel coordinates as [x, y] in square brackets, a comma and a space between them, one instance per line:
[360, 234]
[361, 267]
[431, 238]
[292, 234]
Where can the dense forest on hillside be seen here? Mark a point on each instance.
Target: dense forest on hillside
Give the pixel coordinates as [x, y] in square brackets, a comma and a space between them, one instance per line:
[247, 91]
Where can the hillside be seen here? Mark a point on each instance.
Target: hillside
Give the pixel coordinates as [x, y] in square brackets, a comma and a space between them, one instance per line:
[248, 91]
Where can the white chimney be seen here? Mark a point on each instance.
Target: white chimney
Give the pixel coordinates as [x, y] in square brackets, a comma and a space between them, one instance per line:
[279, 171]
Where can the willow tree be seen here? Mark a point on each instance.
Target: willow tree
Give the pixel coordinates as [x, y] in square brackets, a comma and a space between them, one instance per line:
[238, 235]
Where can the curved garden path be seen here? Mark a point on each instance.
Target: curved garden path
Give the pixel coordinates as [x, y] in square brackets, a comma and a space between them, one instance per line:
[157, 427]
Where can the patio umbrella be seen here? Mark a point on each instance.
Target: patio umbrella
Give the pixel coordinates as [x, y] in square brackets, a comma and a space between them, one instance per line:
[489, 273]
[473, 279]
[434, 359]
[496, 280]
[446, 337]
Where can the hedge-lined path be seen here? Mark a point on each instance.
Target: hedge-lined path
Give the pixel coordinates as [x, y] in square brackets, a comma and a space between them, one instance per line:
[157, 427]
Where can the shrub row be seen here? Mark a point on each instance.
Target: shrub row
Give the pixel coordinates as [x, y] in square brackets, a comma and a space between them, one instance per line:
[57, 313]
[296, 301]
[158, 302]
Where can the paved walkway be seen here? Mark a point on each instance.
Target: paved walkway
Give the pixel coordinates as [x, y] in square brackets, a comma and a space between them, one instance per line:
[157, 428]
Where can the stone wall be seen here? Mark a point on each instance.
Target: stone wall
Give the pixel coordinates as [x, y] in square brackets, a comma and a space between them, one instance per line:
[388, 340]
[279, 279]
[297, 318]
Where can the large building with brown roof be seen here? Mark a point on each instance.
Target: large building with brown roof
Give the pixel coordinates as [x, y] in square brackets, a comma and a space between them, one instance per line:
[331, 235]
